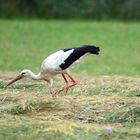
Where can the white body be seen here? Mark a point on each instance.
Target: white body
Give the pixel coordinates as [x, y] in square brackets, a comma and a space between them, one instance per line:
[50, 66]
[52, 62]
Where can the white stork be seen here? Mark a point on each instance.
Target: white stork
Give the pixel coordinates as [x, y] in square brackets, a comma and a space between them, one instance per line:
[59, 62]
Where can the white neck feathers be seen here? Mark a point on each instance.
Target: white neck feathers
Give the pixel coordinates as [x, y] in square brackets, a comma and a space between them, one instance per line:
[35, 76]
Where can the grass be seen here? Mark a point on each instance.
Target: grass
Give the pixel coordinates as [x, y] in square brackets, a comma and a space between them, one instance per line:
[109, 99]
[28, 111]
[25, 44]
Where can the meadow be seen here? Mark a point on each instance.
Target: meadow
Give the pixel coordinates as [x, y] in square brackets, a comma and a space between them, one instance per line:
[25, 44]
[108, 90]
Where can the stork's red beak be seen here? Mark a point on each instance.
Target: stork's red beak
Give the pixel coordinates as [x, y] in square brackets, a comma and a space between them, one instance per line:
[14, 80]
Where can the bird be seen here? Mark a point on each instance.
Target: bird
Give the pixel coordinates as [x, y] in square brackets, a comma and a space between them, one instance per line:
[59, 62]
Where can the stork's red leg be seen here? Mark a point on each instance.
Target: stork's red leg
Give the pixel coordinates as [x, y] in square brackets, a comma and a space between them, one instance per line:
[66, 81]
[69, 86]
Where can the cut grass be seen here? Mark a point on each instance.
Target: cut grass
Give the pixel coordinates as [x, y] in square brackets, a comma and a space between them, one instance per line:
[30, 112]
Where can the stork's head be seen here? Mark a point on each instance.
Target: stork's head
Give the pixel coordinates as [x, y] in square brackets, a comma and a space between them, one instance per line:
[23, 73]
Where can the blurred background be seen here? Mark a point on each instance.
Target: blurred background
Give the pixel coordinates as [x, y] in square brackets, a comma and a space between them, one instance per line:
[71, 9]
[30, 30]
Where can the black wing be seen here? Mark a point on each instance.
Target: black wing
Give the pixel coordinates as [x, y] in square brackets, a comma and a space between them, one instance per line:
[77, 53]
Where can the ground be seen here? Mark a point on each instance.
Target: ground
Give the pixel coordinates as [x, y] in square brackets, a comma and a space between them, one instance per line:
[95, 105]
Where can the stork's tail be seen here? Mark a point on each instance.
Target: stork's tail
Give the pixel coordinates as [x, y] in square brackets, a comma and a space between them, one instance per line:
[93, 49]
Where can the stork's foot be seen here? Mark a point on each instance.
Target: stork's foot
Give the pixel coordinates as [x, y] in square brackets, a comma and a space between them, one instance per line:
[58, 92]
[67, 85]
[65, 88]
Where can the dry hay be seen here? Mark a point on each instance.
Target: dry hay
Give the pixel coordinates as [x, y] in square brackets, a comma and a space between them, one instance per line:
[93, 105]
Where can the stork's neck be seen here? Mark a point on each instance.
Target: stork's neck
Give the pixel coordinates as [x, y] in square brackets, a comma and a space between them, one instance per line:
[35, 76]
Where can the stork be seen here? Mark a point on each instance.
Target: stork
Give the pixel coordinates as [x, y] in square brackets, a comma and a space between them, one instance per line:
[59, 62]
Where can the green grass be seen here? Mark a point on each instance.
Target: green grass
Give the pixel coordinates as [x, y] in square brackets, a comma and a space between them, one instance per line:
[25, 44]
[27, 109]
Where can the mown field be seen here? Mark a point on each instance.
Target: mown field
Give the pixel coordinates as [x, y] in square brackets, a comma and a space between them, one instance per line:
[108, 90]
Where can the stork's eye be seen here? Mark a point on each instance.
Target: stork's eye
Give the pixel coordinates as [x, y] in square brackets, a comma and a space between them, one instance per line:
[23, 73]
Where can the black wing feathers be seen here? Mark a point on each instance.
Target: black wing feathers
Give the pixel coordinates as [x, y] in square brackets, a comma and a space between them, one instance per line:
[77, 53]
